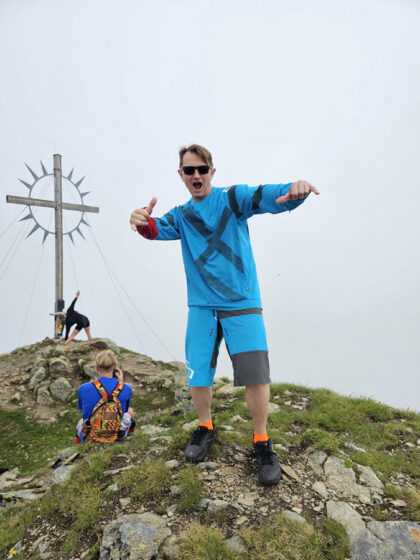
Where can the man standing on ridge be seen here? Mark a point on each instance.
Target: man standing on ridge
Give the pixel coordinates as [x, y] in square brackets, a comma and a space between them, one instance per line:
[223, 292]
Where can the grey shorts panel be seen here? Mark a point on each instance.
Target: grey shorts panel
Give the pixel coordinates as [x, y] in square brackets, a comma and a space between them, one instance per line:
[250, 368]
[224, 314]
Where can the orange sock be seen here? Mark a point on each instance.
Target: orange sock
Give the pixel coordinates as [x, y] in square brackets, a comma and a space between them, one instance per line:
[259, 437]
[208, 425]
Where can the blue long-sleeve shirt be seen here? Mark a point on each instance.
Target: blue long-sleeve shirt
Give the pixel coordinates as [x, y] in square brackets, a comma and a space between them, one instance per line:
[216, 248]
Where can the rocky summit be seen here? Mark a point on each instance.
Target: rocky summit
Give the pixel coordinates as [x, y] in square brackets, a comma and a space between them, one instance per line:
[350, 486]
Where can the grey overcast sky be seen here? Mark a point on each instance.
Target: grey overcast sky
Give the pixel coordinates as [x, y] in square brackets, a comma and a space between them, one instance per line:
[325, 91]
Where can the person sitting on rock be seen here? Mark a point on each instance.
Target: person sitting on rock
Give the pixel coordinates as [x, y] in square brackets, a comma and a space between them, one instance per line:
[72, 317]
[111, 380]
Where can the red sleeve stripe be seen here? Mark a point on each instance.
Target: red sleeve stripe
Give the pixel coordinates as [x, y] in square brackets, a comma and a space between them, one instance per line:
[150, 231]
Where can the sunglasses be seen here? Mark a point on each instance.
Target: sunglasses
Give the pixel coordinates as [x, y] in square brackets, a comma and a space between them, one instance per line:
[190, 170]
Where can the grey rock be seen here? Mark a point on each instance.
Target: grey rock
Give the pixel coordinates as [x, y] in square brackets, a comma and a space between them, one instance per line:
[190, 425]
[294, 516]
[214, 506]
[16, 398]
[61, 474]
[398, 540]
[53, 351]
[16, 549]
[208, 465]
[171, 549]
[61, 389]
[175, 490]
[237, 506]
[8, 478]
[203, 503]
[170, 511]
[21, 495]
[38, 376]
[369, 478]
[88, 369]
[344, 514]
[227, 428]
[350, 445]
[273, 408]
[43, 396]
[236, 544]
[227, 389]
[58, 365]
[320, 488]
[103, 344]
[152, 430]
[279, 447]
[317, 460]
[39, 361]
[65, 453]
[343, 480]
[112, 488]
[134, 537]
[40, 546]
[124, 502]
[173, 464]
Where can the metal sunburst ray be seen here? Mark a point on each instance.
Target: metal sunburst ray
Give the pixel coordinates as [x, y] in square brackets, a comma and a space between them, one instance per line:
[82, 194]
[27, 185]
[28, 217]
[77, 185]
[80, 233]
[44, 171]
[33, 230]
[83, 221]
[71, 236]
[46, 234]
[34, 175]
[69, 176]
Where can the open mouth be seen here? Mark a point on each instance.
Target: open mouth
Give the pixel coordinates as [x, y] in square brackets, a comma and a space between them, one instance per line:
[197, 185]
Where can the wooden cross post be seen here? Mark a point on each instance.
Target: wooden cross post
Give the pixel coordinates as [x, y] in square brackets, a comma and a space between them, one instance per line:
[59, 206]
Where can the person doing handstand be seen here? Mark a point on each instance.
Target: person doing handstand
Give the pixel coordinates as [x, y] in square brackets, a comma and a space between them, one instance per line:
[72, 317]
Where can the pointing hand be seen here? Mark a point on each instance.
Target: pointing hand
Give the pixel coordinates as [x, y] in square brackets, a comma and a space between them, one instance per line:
[140, 216]
[297, 191]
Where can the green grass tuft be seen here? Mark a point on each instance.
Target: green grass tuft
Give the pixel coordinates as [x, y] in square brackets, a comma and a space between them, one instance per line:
[191, 489]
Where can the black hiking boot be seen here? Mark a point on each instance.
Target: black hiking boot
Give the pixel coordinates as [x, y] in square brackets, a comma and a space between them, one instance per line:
[269, 470]
[199, 444]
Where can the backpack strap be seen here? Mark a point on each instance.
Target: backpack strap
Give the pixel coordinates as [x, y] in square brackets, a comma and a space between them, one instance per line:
[101, 389]
[119, 387]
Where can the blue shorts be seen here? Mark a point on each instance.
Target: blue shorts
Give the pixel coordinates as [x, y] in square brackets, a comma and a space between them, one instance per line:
[244, 334]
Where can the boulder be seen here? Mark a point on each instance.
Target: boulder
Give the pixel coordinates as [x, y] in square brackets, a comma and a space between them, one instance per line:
[58, 365]
[88, 369]
[343, 480]
[317, 460]
[43, 396]
[104, 344]
[61, 389]
[38, 376]
[134, 536]
[61, 474]
[38, 362]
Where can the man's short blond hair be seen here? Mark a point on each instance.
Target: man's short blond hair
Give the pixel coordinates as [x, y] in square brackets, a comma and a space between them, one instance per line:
[200, 151]
[106, 360]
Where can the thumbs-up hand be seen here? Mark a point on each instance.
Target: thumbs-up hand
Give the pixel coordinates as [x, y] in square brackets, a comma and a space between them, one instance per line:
[140, 216]
[298, 190]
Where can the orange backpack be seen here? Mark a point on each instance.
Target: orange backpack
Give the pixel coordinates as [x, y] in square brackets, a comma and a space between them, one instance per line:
[104, 422]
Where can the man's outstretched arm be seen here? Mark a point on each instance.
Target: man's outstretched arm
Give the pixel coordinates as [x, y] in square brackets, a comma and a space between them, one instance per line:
[248, 201]
[164, 228]
[297, 191]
